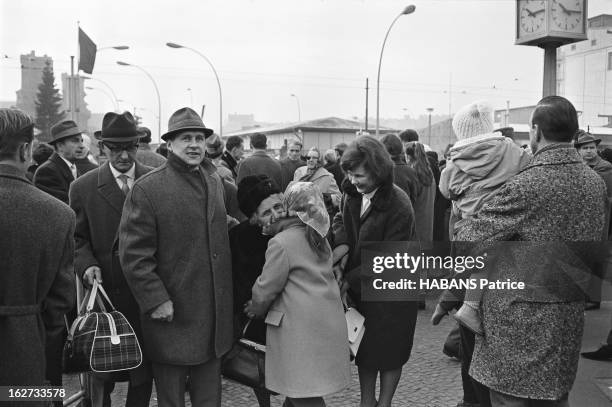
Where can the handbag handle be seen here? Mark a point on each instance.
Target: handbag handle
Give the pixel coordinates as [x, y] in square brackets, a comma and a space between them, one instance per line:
[93, 296]
[246, 326]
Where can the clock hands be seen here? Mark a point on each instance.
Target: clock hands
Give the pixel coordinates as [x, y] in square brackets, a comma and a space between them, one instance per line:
[568, 11]
[533, 13]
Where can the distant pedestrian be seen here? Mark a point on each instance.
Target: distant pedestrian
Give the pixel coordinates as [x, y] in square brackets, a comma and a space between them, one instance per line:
[41, 153]
[332, 164]
[234, 149]
[84, 160]
[37, 284]
[292, 162]
[403, 175]
[426, 191]
[314, 172]
[145, 155]
[55, 176]
[259, 162]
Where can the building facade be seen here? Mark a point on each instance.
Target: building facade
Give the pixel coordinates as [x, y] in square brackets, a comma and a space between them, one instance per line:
[584, 73]
[75, 86]
[31, 76]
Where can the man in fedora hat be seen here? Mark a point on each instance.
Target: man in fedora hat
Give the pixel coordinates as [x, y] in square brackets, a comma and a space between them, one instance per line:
[586, 145]
[174, 252]
[54, 176]
[97, 199]
[37, 278]
[145, 155]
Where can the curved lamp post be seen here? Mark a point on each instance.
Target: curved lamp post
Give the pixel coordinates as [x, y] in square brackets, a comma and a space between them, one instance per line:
[116, 100]
[298, 106]
[113, 101]
[174, 45]
[156, 91]
[408, 10]
[117, 47]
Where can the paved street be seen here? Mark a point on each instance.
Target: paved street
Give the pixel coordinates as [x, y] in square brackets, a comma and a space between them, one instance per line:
[431, 379]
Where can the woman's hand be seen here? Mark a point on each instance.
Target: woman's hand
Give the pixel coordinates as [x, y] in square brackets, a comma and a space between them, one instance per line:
[250, 310]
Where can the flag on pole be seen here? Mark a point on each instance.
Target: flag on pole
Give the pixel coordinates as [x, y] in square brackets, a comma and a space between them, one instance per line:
[87, 52]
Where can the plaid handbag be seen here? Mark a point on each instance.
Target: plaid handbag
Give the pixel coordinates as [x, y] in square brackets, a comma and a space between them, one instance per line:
[100, 341]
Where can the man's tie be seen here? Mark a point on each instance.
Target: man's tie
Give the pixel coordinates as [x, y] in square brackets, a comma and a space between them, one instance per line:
[73, 170]
[124, 188]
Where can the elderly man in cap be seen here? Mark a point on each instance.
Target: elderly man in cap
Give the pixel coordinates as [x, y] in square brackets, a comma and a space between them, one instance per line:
[37, 285]
[97, 199]
[54, 176]
[174, 252]
[145, 155]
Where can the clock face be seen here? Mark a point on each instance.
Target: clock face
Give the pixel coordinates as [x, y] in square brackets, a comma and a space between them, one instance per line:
[567, 15]
[531, 16]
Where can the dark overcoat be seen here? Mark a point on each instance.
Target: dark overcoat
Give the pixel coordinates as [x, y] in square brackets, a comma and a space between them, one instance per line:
[37, 285]
[260, 163]
[54, 177]
[390, 325]
[173, 245]
[97, 202]
[532, 336]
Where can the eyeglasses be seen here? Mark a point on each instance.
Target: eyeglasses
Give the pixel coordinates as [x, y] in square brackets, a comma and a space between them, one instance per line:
[309, 157]
[119, 148]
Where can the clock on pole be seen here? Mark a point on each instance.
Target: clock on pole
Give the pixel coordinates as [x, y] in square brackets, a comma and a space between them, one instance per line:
[549, 24]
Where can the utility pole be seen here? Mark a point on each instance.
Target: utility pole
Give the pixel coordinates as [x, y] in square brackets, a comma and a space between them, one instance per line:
[367, 89]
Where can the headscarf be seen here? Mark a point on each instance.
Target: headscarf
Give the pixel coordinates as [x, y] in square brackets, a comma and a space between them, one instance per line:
[305, 200]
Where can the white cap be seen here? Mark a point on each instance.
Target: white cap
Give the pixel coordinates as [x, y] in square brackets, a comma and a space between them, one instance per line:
[473, 120]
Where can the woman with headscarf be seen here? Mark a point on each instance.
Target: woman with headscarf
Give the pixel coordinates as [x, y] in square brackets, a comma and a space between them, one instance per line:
[314, 172]
[307, 355]
[426, 191]
[375, 210]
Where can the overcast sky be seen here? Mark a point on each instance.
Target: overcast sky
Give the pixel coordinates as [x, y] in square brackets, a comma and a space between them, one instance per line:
[264, 50]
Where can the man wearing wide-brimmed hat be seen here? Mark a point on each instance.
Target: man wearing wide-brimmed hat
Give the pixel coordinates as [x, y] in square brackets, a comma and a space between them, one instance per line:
[174, 251]
[97, 199]
[54, 176]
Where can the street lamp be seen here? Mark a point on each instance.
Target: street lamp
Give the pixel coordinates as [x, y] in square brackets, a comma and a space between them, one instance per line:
[105, 84]
[156, 91]
[408, 10]
[429, 110]
[190, 97]
[174, 45]
[117, 47]
[298, 106]
[113, 101]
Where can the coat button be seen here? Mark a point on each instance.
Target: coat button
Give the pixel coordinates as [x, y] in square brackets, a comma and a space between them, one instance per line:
[214, 255]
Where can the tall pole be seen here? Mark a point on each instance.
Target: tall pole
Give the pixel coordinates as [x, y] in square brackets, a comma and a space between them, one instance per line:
[429, 110]
[173, 45]
[298, 107]
[156, 91]
[407, 10]
[550, 70]
[366, 113]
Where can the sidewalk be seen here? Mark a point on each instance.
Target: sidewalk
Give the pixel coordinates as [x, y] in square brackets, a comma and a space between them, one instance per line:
[431, 379]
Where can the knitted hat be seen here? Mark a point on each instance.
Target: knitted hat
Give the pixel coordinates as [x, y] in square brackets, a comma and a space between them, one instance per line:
[252, 190]
[473, 120]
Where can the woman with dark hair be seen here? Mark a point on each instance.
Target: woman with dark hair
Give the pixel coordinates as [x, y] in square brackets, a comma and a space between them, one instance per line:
[307, 356]
[375, 209]
[426, 191]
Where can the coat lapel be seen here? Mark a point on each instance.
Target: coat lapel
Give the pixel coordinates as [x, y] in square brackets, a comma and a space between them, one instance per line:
[108, 188]
[212, 187]
[62, 166]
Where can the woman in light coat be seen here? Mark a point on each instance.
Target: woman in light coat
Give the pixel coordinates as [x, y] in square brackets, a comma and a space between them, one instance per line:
[307, 354]
[314, 172]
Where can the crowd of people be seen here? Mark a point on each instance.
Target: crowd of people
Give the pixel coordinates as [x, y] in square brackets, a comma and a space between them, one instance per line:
[200, 245]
